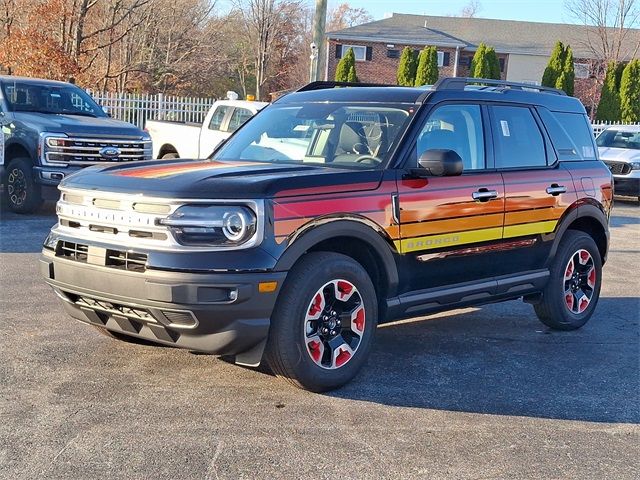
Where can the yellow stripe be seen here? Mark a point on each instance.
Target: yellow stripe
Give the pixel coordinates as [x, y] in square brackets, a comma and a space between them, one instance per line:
[524, 229]
[430, 242]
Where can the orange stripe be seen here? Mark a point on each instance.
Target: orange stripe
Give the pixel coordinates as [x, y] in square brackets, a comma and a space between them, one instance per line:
[167, 170]
[513, 218]
[453, 225]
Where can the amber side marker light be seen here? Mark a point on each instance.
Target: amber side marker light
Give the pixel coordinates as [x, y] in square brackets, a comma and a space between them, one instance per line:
[266, 287]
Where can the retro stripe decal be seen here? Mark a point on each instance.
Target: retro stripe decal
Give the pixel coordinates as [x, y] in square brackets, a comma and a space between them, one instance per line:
[173, 169]
[431, 242]
[525, 229]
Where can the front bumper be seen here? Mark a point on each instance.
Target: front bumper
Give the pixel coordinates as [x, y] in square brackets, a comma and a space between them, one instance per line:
[220, 313]
[627, 184]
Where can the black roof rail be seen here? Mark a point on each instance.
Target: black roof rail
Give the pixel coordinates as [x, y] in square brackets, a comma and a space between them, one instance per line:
[322, 84]
[459, 83]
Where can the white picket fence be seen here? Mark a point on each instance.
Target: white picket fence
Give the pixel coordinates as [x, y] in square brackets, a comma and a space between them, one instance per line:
[137, 108]
[599, 126]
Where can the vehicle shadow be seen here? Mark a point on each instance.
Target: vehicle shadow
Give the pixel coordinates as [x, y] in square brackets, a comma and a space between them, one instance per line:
[500, 360]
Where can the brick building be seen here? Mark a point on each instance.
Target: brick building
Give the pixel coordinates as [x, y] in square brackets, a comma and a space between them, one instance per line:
[523, 48]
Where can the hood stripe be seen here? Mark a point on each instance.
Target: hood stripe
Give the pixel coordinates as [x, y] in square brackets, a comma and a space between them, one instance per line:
[168, 170]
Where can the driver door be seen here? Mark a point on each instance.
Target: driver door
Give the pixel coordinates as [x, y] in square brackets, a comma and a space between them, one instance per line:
[447, 224]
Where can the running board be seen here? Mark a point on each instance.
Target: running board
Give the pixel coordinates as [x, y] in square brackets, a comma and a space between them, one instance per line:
[465, 294]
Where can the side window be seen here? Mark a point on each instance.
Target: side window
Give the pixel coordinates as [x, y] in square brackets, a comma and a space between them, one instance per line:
[457, 128]
[218, 117]
[579, 131]
[238, 117]
[518, 140]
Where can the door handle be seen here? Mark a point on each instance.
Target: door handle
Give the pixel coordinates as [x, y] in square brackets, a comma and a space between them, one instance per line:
[484, 195]
[556, 189]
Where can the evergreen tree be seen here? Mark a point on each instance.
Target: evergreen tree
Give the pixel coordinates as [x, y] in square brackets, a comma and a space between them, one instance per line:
[494, 64]
[352, 77]
[427, 72]
[480, 67]
[406, 75]
[345, 65]
[555, 65]
[566, 79]
[630, 92]
[609, 106]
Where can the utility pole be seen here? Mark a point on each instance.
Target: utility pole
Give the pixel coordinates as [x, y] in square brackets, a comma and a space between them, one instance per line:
[319, 24]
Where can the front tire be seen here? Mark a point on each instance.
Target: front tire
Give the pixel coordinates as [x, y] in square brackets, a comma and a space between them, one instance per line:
[21, 193]
[323, 325]
[570, 297]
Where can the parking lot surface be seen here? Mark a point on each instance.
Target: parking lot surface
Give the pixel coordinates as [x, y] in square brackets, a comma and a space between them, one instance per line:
[477, 393]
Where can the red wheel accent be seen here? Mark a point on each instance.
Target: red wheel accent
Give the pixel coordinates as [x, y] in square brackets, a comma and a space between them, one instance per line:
[316, 306]
[591, 279]
[315, 350]
[569, 271]
[584, 257]
[584, 303]
[570, 300]
[358, 321]
[342, 357]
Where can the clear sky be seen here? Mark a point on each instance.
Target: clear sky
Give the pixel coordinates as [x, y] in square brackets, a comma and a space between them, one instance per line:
[532, 11]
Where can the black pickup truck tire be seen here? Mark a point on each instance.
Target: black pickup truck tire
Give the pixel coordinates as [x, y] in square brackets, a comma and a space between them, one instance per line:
[325, 353]
[21, 193]
[572, 293]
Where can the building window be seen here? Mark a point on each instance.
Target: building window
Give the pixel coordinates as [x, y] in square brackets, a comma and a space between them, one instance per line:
[359, 51]
[581, 70]
[393, 53]
[443, 59]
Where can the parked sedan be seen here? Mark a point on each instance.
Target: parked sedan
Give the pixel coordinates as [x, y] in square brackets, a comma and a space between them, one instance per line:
[619, 148]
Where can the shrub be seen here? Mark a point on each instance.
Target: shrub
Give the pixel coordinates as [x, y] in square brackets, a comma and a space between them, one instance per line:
[427, 72]
[406, 75]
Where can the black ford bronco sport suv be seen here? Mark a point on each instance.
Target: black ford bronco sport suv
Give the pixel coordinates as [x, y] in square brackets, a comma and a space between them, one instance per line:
[334, 210]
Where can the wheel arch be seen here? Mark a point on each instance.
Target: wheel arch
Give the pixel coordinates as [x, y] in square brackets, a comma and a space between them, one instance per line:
[167, 148]
[16, 149]
[587, 218]
[352, 237]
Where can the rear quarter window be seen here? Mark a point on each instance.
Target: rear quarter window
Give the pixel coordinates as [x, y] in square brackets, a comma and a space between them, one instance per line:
[571, 134]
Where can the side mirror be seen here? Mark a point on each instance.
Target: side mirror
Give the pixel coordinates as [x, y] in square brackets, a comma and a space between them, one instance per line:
[438, 163]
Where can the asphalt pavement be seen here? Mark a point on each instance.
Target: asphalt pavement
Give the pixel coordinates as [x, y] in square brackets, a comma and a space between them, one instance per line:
[484, 392]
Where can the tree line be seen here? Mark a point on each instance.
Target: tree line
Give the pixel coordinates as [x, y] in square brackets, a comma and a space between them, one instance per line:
[183, 47]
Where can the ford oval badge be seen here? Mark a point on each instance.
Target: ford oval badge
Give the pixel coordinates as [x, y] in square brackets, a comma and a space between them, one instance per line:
[110, 152]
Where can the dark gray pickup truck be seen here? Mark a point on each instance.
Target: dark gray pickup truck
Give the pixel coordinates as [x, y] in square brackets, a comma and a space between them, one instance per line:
[51, 130]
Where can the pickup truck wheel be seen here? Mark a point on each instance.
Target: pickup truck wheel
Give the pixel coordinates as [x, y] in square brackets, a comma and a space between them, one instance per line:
[324, 322]
[571, 295]
[21, 193]
[170, 156]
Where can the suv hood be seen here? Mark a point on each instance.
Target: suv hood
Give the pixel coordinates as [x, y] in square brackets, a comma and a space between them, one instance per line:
[619, 154]
[77, 125]
[214, 179]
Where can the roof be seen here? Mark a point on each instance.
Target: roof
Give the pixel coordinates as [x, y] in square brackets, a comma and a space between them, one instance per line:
[506, 36]
[406, 95]
[39, 81]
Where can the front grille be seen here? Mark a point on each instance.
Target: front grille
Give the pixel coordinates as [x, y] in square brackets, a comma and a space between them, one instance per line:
[88, 151]
[120, 259]
[619, 168]
[131, 261]
[73, 251]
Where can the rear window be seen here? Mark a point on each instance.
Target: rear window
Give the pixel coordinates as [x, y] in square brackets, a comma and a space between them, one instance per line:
[518, 140]
[571, 135]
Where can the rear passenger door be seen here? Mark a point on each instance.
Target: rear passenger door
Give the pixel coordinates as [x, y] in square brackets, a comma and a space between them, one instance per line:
[538, 189]
[447, 223]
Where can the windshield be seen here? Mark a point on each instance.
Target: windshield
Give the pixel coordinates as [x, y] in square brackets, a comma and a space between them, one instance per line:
[43, 98]
[334, 134]
[619, 139]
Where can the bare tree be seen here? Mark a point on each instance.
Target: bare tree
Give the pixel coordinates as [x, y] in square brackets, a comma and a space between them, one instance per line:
[265, 22]
[471, 9]
[344, 16]
[610, 35]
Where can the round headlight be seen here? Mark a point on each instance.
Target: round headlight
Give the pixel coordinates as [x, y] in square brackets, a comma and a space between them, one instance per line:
[234, 225]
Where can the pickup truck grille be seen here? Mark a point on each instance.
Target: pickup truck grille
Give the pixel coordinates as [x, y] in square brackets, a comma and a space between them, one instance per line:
[120, 259]
[89, 151]
[619, 168]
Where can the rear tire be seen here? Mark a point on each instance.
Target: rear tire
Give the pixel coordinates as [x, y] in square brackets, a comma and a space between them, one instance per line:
[21, 193]
[323, 325]
[572, 293]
